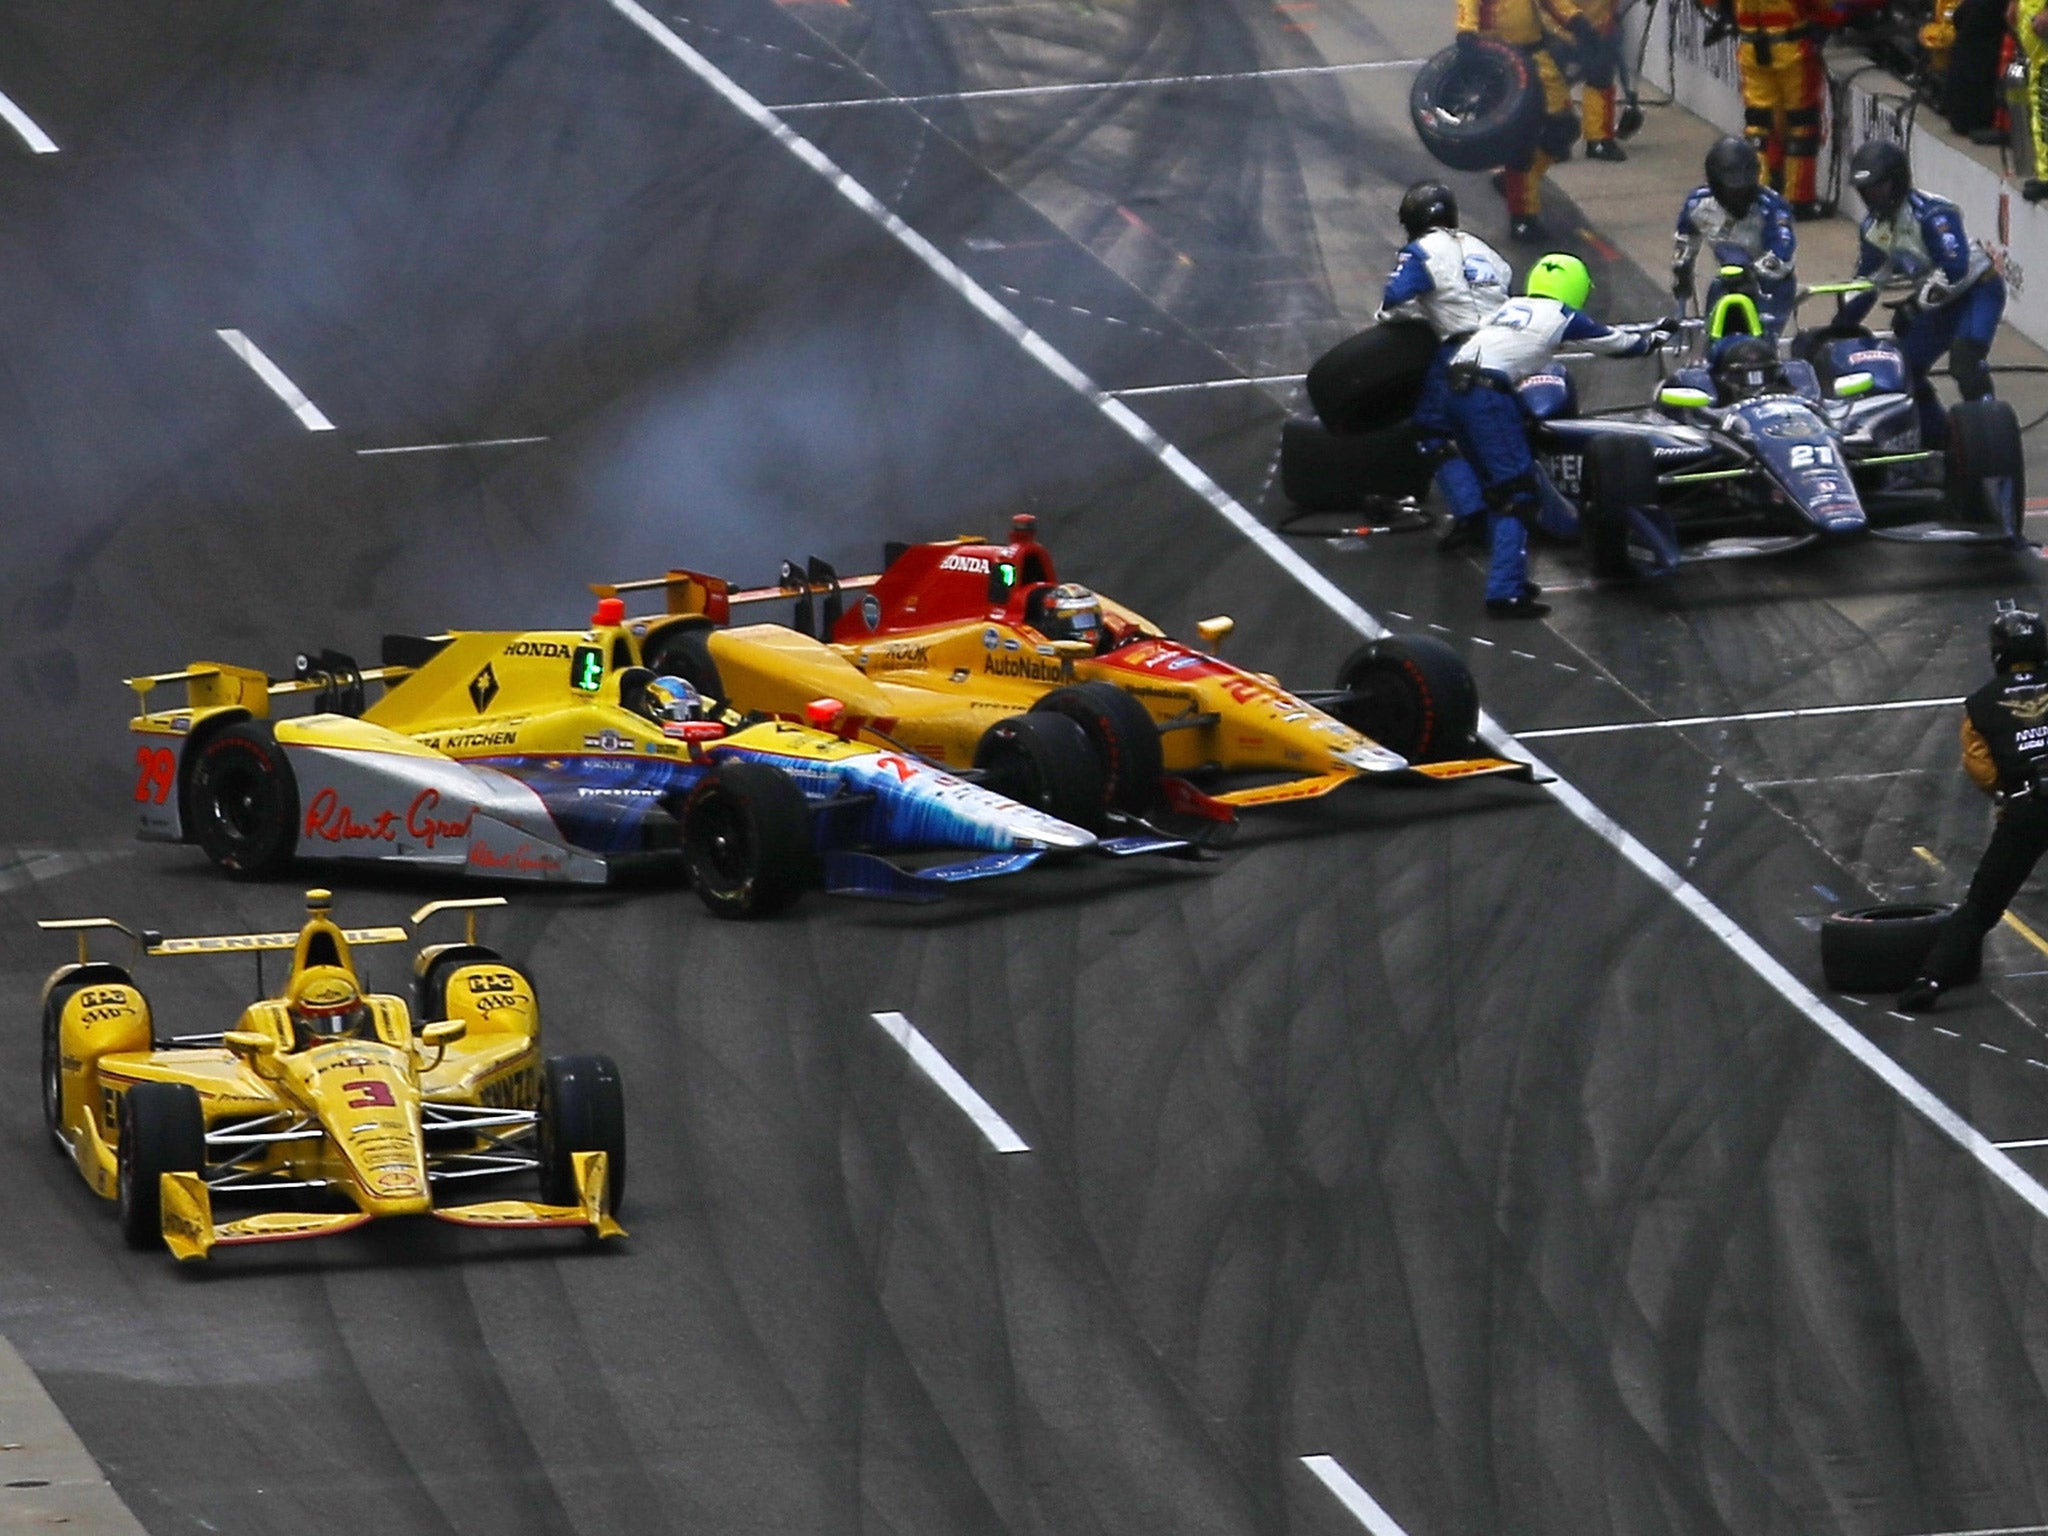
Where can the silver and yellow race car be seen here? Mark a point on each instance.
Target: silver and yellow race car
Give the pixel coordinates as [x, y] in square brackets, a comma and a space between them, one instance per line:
[326, 1106]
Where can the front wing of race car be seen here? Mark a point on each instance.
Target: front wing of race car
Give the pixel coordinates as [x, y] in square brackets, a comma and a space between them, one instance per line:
[191, 1232]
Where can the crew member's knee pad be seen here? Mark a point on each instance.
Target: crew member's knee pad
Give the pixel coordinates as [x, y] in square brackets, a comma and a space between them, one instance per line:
[1969, 366]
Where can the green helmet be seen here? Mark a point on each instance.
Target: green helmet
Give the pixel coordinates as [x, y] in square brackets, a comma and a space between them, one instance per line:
[1560, 277]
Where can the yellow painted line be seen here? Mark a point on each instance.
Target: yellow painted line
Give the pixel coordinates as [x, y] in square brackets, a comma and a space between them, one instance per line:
[2012, 922]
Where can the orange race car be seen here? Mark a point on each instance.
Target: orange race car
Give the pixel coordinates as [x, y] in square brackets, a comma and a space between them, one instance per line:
[953, 651]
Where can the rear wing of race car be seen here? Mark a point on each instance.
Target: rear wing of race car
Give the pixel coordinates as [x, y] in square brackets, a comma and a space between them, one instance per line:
[333, 678]
[815, 587]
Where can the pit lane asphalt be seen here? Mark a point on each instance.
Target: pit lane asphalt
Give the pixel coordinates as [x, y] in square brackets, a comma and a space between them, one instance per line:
[1419, 1132]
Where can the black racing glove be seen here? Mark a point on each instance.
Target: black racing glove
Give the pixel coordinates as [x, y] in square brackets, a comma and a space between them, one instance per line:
[1682, 281]
[1468, 44]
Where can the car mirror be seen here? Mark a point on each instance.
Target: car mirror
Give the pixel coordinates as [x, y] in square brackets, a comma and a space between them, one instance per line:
[250, 1043]
[824, 714]
[1680, 397]
[1851, 385]
[1215, 631]
[443, 1033]
[1072, 650]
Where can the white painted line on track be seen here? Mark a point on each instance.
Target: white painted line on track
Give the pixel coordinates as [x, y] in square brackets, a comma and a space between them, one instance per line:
[2016, 1146]
[1685, 722]
[2002, 1530]
[1836, 778]
[1693, 901]
[482, 442]
[1175, 389]
[274, 377]
[955, 1087]
[1362, 1505]
[39, 142]
[1093, 87]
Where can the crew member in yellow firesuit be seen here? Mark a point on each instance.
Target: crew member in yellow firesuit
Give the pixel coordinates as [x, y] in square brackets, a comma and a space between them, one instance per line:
[1540, 29]
[1784, 86]
[1596, 103]
[2028, 20]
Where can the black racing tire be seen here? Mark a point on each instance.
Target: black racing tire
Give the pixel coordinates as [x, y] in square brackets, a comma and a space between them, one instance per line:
[1373, 380]
[746, 831]
[163, 1130]
[242, 800]
[685, 652]
[1414, 696]
[1619, 473]
[582, 1109]
[1124, 735]
[1477, 111]
[51, 1074]
[1321, 472]
[1047, 762]
[1881, 948]
[1984, 443]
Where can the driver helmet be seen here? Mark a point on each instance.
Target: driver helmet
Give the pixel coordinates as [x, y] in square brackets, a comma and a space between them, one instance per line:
[325, 1004]
[2018, 639]
[1068, 611]
[1735, 175]
[1746, 368]
[672, 701]
[1882, 175]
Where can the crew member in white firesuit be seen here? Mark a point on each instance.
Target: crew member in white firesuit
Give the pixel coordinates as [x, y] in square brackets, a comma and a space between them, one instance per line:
[1452, 282]
[1741, 223]
[1520, 340]
[2005, 752]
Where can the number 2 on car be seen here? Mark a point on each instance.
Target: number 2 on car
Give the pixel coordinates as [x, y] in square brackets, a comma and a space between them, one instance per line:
[156, 771]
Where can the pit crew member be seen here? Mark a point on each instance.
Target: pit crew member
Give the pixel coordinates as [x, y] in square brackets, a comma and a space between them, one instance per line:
[1784, 86]
[1739, 222]
[1522, 339]
[1452, 282]
[1536, 27]
[2005, 752]
[1960, 295]
[1597, 100]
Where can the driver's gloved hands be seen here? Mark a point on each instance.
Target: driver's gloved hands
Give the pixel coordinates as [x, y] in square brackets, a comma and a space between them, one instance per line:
[1682, 281]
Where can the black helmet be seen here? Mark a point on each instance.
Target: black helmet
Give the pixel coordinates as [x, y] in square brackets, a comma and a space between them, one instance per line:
[1882, 175]
[1734, 175]
[2018, 639]
[1428, 205]
[1746, 368]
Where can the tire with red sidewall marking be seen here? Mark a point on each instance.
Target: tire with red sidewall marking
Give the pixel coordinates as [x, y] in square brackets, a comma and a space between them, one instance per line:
[1045, 761]
[242, 800]
[1413, 695]
[1124, 735]
[1881, 948]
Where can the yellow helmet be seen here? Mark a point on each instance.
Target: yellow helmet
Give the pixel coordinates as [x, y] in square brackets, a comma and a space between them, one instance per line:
[325, 1002]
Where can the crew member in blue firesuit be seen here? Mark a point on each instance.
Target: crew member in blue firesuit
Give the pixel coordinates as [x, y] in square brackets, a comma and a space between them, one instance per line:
[1452, 282]
[1740, 222]
[1520, 340]
[1956, 307]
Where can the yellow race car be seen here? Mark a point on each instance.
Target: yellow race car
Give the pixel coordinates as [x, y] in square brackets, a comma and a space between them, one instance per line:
[347, 1102]
[942, 652]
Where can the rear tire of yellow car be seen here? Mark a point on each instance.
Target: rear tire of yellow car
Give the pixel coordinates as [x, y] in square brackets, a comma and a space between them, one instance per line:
[430, 990]
[1124, 735]
[1415, 697]
[582, 1109]
[747, 840]
[685, 652]
[162, 1131]
[242, 801]
[1047, 762]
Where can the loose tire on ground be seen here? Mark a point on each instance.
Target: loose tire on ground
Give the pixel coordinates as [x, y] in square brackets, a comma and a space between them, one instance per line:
[1045, 761]
[1124, 735]
[1373, 380]
[685, 652]
[1984, 443]
[1880, 948]
[582, 1109]
[241, 800]
[162, 1131]
[1414, 696]
[1619, 473]
[1321, 472]
[1480, 111]
[747, 840]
